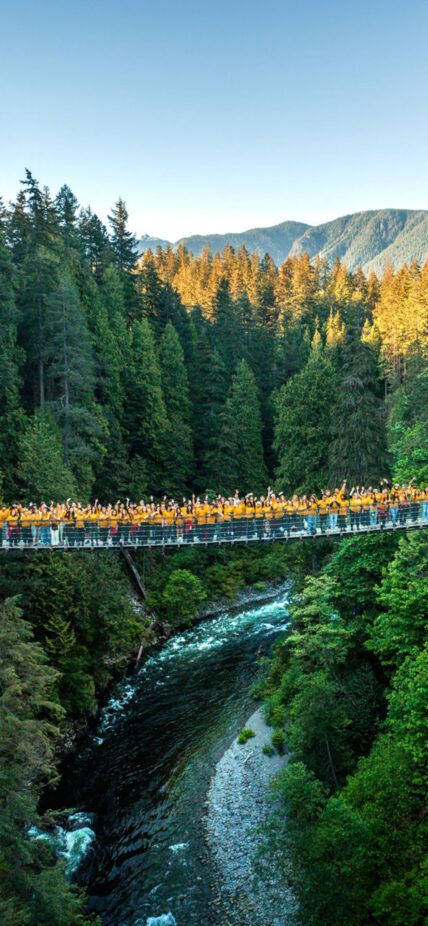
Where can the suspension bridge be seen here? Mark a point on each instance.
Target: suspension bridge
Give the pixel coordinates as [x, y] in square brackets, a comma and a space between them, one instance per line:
[66, 536]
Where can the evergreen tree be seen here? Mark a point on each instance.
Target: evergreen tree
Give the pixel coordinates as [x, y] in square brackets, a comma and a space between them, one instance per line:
[42, 471]
[95, 243]
[358, 449]
[67, 209]
[303, 409]
[157, 299]
[40, 279]
[70, 381]
[239, 458]
[124, 243]
[210, 396]
[178, 465]
[145, 418]
[10, 355]
[33, 888]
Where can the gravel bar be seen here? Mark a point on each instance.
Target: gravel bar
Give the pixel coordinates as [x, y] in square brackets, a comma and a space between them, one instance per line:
[239, 801]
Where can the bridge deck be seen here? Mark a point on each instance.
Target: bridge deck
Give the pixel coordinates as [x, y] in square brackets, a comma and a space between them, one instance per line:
[67, 537]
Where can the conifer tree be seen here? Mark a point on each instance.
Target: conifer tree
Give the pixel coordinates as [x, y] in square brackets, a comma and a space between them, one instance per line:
[40, 279]
[67, 209]
[124, 243]
[95, 243]
[178, 464]
[70, 381]
[303, 410]
[209, 396]
[11, 413]
[33, 888]
[146, 420]
[239, 459]
[358, 450]
[42, 471]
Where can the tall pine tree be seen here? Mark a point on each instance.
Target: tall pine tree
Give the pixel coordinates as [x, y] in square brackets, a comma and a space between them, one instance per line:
[239, 460]
[358, 449]
[179, 461]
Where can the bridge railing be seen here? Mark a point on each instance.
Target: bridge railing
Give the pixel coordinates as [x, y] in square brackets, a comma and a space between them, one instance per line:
[286, 526]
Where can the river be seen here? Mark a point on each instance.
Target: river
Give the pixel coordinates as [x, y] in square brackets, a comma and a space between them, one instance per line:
[138, 786]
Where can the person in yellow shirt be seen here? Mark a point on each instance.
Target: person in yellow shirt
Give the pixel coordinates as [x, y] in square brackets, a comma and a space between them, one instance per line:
[258, 516]
[424, 508]
[239, 520]
[250, 513]
[355, 508]
[200, 514]
[343, 510]
[92, 522]
[323, 506]
[383, 509]
[113, 522]
[333, 511]
[279, 515]
[189, 523]
[26, 519]
[366, 500]
[103, 527]
[288, 516]
[4, 514]
[311, 515]
[227, 517]
[374, 506]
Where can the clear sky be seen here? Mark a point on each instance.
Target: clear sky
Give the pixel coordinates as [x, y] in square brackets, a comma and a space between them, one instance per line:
[213, 117]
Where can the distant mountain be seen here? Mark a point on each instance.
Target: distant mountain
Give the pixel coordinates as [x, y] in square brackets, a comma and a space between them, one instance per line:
[147, 242]
[366, 239]
[276, 240]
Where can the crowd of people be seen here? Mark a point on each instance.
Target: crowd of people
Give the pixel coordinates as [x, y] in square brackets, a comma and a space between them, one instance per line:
[205, 519]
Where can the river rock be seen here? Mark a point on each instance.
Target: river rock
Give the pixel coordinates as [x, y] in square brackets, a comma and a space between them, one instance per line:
[239, 803]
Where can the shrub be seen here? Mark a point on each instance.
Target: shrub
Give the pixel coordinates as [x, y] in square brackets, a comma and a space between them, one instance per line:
[275, 710]
[245, 735]
[278, 740]
[182, 596]
[268, 750]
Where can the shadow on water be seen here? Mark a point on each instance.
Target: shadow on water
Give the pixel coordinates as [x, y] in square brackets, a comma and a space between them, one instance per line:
[142, 777]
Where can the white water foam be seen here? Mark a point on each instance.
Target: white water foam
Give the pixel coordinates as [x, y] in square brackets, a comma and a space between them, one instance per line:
[179, 847]
[72, 843]
[166, 919]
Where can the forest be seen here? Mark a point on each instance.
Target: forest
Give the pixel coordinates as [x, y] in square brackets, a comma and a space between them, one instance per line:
[126, 377]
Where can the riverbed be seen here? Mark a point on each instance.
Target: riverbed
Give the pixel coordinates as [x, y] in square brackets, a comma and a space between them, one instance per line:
[141, 779]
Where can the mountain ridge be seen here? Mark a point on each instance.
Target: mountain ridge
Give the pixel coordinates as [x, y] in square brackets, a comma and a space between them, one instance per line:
[368, 239]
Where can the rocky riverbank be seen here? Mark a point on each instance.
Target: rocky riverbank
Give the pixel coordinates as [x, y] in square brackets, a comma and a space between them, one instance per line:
[239, 801]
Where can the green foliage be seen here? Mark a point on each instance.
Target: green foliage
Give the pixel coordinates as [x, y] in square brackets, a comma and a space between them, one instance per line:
[279, 740]
[358, 450]
[42, 470]
[146, 420]
[408, 429]
[179, 454]
[239, 458]
[400, 628]
[79, 610]
[182, 596]
[351, 676]
[302, 427]
[123, 242]
[33, 888]
[246, 734]
[268, 750]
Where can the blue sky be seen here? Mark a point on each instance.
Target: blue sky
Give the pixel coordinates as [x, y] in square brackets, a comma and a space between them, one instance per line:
[211, 118]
